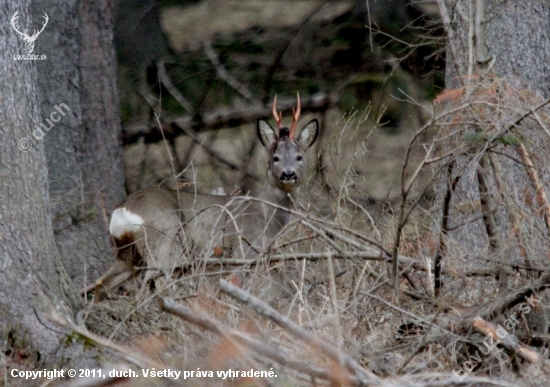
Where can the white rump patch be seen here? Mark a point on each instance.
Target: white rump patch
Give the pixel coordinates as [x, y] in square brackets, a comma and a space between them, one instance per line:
[124, 221]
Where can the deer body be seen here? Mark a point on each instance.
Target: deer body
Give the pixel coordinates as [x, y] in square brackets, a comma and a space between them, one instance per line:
[154, 226]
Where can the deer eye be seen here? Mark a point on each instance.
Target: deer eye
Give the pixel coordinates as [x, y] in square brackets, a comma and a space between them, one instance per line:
[275, 159]
[299, 158]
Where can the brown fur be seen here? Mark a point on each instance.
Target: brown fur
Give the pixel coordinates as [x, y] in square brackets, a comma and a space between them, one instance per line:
[177, 225]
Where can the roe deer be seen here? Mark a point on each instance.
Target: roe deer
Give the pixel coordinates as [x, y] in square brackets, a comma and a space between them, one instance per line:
[154, 226]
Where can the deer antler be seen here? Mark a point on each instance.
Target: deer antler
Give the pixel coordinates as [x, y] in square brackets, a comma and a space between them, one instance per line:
[36, 33]
[14, 25]
[278, 117]
[295, 117]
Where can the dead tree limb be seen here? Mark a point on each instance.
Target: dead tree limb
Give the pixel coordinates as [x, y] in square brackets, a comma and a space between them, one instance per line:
[365, 376]
[206, 322]
[151, 133]
[507, 340]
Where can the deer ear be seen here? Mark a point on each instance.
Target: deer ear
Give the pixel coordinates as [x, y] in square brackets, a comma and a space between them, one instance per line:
[266, 134]
[309, 134]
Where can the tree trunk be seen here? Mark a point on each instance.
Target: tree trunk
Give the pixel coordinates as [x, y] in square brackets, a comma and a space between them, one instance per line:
[83, 150]
[499, 51]
[32, 276]
[517, 37]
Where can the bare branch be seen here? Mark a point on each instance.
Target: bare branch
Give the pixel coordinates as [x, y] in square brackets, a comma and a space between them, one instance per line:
[224, 74]
[365, 376]
[507, 340]
[167, 82]
[204, 321]
[220, 119]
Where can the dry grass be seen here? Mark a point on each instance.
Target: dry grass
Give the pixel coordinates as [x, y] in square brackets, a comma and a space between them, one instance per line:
[328, 273]
[329, 298]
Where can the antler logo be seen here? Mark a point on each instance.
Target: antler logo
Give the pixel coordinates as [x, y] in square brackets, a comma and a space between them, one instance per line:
[29, 39]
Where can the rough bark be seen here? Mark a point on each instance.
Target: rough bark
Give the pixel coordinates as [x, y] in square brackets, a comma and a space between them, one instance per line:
[516, 53]
[518, 40]
[32, 276]
[517, 36]
[83, 150]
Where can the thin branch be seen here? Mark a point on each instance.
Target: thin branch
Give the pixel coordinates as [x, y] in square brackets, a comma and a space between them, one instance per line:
[541, 197]
[528, 113]
[442, 247]
[224, 74]
[324, 237]
[165, 79]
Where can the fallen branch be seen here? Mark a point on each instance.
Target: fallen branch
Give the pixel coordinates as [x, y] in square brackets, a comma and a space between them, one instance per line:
[370, 255]
[365, 376]
[508, 341]
[204, 321]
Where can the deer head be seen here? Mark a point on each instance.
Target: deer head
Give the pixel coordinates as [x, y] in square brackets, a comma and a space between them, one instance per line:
[29, 39]
[286, 165]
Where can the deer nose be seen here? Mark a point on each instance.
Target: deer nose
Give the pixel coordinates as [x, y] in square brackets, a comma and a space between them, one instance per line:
[289, 176]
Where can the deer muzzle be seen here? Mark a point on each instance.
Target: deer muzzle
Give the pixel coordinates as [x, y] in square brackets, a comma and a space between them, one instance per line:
[289, 177]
